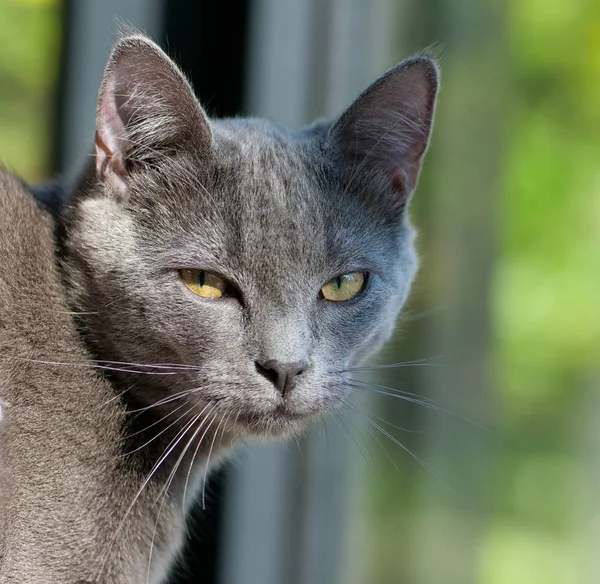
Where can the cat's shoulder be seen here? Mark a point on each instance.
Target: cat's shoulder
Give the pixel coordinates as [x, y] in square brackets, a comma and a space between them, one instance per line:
[24, 226]
[27, 266]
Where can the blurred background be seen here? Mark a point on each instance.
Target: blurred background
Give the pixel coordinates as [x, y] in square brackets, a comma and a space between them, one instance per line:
[490, 472]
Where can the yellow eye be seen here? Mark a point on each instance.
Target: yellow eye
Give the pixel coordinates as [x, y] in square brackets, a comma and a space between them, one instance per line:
[203, 283]
[344, 287]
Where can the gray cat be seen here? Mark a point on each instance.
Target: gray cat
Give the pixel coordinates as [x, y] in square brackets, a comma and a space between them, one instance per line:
[205, 282]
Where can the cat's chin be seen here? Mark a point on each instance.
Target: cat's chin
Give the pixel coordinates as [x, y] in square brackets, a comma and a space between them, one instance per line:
[279, 424]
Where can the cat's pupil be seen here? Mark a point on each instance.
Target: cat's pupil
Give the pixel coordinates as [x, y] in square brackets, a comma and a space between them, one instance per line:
[201, 278]
[338, 282]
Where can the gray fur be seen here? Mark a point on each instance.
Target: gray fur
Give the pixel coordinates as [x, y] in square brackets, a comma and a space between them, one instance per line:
[277, 212]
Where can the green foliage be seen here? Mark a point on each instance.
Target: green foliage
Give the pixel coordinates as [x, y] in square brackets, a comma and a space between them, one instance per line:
[547, 291]
[29, 41]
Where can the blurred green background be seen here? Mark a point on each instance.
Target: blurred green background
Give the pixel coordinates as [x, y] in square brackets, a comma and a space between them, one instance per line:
[507, 304]
[30, 38]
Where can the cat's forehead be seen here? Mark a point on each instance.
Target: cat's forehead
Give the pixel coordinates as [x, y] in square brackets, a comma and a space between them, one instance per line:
[261, 183]
[259, 158]
[268, 204]
[273, 209]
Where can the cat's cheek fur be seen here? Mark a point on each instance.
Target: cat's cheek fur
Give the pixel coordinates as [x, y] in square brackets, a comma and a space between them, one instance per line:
[380, 319]
[105, 233]
[408, 265]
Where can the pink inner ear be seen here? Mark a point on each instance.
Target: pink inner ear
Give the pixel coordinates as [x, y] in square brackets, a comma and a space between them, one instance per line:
[400, 182]
[110, 136]
[404, 179]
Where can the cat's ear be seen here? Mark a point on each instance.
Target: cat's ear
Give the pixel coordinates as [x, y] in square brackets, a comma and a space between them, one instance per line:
[146, 108]
[386, 130]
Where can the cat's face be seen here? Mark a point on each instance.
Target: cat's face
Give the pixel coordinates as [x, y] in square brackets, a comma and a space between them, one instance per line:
[268, 261]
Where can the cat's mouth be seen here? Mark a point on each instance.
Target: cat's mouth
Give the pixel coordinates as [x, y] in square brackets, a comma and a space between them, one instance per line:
[279, 422]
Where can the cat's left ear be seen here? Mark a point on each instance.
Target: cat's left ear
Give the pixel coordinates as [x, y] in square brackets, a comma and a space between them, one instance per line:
[146, 109]
[386, 130]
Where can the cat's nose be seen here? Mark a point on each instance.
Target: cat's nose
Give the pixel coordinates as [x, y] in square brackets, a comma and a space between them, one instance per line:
[282, 375]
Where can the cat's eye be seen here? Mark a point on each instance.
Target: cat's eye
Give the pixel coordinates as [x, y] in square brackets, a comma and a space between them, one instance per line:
[344, 287]
[203, 283]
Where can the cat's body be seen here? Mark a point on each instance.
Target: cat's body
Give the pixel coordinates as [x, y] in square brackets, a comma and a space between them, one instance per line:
[64, 484]
[216, 281]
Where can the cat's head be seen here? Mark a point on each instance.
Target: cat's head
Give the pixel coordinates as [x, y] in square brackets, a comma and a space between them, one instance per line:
[268, 260]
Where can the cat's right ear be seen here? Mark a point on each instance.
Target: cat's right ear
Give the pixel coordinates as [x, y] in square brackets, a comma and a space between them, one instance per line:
[146, 109]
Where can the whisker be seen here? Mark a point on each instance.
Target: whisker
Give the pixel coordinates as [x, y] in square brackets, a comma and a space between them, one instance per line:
[170, 447]
[151, 365]
[397, 392]
[169, 480]
[375, 437]
[157, 422]
[425, 402]
[368, 368]
[297, 442]
[181, 456]
[415, 363]
[417, 458]
[187, 412]
[212, 444]
[121, 366]
[166, 400]
[128, 370]
[117, 396]
[402, 429]
[152, 540]
[369, 463]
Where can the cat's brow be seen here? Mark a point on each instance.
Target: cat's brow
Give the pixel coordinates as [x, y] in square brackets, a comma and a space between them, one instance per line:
[192, 257]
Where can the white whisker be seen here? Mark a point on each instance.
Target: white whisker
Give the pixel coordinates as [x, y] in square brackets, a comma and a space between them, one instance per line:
[212, 444]
[169, 480]
[170, 447]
